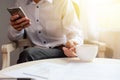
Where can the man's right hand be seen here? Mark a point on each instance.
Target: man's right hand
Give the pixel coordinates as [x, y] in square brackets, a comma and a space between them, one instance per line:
[19, 23]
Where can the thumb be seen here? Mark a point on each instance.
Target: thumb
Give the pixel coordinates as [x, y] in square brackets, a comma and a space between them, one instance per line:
[64, 48]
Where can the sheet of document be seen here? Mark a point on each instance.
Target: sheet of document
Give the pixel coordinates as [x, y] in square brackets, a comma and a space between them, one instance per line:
[38, 72]
[70, 71]
[87, 71]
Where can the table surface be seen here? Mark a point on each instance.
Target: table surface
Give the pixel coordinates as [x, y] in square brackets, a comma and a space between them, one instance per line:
[62, 61]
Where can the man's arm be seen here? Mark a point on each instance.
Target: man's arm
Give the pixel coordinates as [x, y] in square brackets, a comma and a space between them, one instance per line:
[17, 25]
[71, 25]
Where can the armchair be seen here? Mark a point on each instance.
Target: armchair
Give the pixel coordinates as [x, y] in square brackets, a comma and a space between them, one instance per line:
[9, 47]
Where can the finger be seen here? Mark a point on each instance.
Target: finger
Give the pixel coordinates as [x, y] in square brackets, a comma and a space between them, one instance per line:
[19, 21]
[75, 43]
[22, 22]
[17, 26]
[13, 18]
[19, 29]
[68, 52]
[74, 54]
[65, 49]
[12, 23]
[25, 24]
[72, 49]
[69, 44]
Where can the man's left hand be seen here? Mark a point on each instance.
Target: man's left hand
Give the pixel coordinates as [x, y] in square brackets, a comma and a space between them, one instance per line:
[69, 49]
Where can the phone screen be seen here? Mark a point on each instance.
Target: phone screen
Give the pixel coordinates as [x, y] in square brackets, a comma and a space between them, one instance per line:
[16, 10]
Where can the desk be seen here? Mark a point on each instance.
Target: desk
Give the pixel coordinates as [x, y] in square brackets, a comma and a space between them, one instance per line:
[113, 65]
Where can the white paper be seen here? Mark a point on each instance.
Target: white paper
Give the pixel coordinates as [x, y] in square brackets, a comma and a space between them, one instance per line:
[87, 71]
[38, 72]
[70, 71]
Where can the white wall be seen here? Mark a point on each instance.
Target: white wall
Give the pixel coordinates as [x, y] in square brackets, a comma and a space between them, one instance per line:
[112, 39]
[103, 23]
[4, 22]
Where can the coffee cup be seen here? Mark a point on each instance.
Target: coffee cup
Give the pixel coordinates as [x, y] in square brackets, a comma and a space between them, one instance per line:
[86, 52]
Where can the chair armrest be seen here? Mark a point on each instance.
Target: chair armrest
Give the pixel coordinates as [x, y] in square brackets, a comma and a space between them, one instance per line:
[23, 43]
[9, 47]
[6, 49]
[101, 47]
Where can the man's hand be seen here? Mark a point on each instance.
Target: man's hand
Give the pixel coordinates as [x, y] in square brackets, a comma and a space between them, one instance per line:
[69, 49]
[19, 23]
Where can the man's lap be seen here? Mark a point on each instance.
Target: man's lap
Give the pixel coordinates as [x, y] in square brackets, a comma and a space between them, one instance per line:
[35, 53]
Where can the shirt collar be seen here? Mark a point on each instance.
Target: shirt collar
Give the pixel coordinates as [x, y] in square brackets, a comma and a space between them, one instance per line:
[31, 1]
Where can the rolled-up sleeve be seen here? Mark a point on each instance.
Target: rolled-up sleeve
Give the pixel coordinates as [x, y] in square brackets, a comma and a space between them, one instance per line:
[14, 35]
[71, 23]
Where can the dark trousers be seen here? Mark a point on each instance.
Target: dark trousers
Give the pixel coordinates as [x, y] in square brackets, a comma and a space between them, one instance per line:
[34, 53]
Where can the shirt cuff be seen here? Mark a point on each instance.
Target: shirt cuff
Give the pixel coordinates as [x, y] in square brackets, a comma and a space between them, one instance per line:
[14, 31]
[78, 40]
[13, 34]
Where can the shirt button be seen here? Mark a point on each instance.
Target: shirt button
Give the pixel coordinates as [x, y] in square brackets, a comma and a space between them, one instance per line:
[37, 6]
[44, 42]
[39, 31]
[37, 20]
[50, 47]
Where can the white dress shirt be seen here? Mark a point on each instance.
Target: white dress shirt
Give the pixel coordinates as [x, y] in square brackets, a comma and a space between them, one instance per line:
[53, 22]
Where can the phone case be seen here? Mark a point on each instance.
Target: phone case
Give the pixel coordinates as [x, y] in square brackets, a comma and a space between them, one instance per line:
[16, 10]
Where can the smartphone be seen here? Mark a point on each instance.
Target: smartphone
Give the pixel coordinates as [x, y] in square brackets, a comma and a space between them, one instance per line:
[16, 10]
[17, 79]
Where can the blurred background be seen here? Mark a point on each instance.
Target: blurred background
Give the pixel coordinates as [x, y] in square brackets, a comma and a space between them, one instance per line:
[100, 20]
[4, 24]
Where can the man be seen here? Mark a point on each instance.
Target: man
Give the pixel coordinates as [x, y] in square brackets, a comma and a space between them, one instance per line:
[51, 25]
